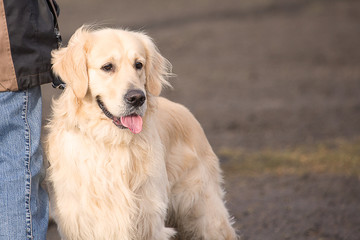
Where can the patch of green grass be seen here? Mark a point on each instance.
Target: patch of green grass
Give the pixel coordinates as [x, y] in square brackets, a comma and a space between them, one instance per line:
[335, 157]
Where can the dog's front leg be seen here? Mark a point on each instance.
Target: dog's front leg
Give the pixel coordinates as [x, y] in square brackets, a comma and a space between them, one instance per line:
[152, 214]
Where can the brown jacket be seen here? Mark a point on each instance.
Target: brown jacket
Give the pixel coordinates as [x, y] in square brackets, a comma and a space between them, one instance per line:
[28, 33]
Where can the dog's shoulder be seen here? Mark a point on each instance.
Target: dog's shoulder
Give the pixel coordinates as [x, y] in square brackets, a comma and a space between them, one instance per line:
[176, 122]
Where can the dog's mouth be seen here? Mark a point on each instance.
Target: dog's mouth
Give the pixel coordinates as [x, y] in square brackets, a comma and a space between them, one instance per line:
[133, 122]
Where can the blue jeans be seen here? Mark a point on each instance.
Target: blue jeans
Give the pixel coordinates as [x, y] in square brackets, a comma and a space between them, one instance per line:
[23, 202]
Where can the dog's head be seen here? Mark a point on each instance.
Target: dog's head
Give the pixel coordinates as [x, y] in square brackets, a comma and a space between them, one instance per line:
[118, 69]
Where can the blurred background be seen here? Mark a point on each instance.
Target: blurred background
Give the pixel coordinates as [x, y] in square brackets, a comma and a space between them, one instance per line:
[276, 86]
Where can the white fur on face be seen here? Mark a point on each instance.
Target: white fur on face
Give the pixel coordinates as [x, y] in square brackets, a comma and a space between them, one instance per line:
[119, 52]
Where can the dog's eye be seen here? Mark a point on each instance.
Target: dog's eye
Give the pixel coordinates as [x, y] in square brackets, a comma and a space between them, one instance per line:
[107, 67]
[138, 65]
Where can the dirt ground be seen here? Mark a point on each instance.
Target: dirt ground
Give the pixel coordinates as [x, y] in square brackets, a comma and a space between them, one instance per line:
[258, 75]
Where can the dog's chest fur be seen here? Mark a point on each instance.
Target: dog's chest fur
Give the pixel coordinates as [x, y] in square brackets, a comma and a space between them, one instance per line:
[122, 184]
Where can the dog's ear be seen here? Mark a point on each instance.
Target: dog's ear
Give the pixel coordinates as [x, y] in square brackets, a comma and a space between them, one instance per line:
[70, 63]
[157, 68]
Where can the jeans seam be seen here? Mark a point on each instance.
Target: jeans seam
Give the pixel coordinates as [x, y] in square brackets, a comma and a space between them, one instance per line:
[29, 232]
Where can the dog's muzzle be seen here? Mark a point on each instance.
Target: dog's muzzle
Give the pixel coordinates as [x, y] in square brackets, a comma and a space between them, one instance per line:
[134, 98]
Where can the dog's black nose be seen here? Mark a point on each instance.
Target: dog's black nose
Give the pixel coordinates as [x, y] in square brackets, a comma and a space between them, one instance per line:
[135, 98]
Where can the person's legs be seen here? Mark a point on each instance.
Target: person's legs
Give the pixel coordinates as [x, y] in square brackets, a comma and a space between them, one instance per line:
[23, 202]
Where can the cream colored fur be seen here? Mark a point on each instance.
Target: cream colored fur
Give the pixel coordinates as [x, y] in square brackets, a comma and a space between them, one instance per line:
[108, 183]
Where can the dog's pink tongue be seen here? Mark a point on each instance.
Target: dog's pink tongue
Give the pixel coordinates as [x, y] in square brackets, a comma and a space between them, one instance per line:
[134, 123]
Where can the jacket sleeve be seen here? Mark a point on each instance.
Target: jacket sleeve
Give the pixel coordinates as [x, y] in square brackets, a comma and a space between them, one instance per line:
[28, 34]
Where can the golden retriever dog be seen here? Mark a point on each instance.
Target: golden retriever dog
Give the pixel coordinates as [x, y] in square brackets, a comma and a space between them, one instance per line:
[124, 162]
